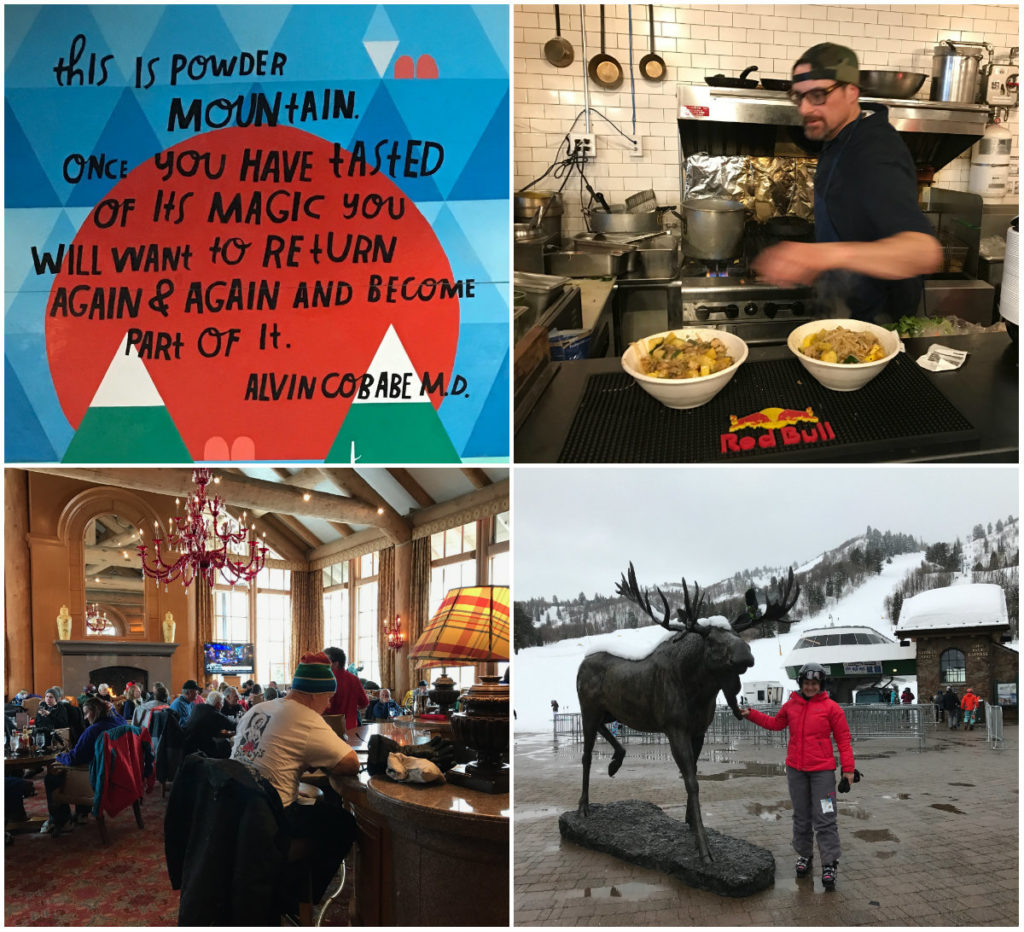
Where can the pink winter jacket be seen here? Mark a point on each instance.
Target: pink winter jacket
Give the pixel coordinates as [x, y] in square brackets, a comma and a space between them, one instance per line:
[812, 723]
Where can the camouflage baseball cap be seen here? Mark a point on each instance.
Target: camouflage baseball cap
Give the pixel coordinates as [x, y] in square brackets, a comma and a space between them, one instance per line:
[829, 61]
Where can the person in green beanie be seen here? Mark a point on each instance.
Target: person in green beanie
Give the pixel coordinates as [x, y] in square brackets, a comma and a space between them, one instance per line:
[280, 739]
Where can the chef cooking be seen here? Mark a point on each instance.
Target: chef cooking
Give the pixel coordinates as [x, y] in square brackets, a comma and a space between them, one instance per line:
[872, 240]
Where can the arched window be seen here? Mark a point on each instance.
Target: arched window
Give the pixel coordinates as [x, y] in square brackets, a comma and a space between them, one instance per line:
[952, 666]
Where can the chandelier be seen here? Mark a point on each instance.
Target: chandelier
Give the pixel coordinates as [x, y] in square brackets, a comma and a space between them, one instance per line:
[208, 540]
[96, 621]
[393, 633]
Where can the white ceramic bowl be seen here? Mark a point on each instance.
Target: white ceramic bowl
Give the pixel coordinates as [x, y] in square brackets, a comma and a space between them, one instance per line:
[687, 393]
[838, 376]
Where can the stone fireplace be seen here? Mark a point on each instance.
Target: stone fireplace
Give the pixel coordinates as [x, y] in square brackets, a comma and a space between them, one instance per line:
[82, 660]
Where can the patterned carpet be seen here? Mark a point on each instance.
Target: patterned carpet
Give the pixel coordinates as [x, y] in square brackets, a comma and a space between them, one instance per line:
[75, 881]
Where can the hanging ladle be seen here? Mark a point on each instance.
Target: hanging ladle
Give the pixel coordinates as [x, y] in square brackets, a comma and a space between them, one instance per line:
[558, 50]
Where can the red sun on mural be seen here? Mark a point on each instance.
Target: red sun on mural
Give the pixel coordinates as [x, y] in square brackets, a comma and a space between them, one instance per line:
[254, 272]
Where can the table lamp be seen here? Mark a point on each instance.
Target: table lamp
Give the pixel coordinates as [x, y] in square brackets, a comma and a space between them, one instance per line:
[472, 626]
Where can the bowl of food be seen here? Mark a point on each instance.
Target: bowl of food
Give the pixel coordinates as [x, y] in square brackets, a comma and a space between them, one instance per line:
[685, 368]
[843, 355]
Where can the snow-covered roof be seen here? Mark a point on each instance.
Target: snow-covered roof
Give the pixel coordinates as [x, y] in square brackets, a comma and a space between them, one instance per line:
[972, 605]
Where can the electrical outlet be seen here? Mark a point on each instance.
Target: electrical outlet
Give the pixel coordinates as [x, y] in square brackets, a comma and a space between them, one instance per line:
[635, 147]
[584, 142]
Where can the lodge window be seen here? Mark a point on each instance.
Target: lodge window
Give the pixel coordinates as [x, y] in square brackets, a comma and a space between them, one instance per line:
[952, 666]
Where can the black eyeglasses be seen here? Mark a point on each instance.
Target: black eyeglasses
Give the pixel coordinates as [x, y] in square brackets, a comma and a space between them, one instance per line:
[815, 97]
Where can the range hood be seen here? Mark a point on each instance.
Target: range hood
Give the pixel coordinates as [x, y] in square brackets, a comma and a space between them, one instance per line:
[760, 123]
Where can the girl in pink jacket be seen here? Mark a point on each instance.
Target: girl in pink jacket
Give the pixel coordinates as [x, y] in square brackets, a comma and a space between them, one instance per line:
[813, 719]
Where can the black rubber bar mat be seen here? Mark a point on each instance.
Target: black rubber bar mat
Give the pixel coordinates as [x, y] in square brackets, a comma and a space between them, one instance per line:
[770, 410]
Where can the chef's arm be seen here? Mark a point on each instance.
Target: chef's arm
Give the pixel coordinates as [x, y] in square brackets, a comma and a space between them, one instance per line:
[901, 256]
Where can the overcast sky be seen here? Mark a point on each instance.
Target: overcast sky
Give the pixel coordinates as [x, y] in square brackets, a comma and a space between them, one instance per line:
[575, 529]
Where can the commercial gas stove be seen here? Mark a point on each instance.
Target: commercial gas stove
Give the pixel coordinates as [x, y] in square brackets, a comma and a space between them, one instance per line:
[723, 295]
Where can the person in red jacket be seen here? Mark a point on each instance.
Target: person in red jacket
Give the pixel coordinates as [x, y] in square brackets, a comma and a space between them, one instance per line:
[969, 705]
[813, 719]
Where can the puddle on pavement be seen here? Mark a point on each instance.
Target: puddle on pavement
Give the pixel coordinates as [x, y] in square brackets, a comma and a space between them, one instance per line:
[947, 807]
[875, 834]
[873, 756]
[749, 769]
[962, 784]
[884, 854]
[627, 891]
[770, 812]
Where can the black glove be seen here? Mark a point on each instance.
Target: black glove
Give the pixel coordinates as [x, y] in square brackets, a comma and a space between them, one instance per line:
[438, 750]
[844, 784]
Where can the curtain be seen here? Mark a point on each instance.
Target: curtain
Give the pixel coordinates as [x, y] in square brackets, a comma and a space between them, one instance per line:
[419, 600]
[307, 614]
[386, 611]
[204, 624]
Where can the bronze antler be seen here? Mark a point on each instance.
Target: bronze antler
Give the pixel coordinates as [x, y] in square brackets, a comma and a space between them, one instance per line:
[630, 589]
[752, 615]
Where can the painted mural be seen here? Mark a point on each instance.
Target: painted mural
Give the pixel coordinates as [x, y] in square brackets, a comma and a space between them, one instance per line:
[261, 233]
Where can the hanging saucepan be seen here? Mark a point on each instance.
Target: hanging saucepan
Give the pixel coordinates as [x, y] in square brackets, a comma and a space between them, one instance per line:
[603, 69]
[789, 227]
[652, 66]
[775, 84]
[558, 50]
[720, 80]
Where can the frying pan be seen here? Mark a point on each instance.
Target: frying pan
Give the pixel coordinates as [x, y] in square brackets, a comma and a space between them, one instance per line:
[652, 66]
[775, 84]
[603, 69]
[558, 50]
[720, 80]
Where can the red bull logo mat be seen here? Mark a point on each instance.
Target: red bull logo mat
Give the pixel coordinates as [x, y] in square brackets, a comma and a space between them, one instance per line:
[773, 428]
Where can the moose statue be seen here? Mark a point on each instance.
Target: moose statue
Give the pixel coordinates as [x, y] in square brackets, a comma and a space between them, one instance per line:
[673, 689]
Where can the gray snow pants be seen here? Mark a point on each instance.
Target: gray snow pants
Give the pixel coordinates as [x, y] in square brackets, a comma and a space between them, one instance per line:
[807, 790]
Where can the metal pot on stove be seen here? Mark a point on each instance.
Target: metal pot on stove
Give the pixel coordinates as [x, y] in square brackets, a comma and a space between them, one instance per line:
[713, 228]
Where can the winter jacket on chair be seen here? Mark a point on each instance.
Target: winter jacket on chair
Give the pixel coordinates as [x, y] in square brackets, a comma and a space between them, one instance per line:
[812, 723]
[226, 842]
[122, 768]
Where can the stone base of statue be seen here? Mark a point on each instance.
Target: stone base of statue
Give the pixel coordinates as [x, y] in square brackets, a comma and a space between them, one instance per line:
[639, 832]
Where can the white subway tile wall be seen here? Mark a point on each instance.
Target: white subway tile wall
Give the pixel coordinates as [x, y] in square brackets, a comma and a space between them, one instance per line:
[696, 41]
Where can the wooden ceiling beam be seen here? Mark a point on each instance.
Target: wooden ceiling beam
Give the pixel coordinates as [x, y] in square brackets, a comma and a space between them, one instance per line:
[404, 478]
[257, 495]
[477, 477]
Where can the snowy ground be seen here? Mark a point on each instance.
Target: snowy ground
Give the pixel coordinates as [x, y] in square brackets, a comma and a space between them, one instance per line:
[541, 674]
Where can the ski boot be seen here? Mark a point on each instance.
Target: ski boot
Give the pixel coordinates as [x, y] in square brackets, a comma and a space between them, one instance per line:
[804, 866]
[828, 876]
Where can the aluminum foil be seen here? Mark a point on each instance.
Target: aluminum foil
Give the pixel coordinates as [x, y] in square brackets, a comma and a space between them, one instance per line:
[767, 187]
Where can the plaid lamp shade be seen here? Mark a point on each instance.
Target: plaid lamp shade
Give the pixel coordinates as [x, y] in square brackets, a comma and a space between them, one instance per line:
[471, 626]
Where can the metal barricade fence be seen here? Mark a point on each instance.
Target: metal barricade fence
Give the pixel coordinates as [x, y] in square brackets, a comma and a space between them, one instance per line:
[865, 721]
[994, 726]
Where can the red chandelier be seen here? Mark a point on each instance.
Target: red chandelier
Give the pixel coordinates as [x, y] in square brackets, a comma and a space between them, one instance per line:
[208, 540]
[94, 620]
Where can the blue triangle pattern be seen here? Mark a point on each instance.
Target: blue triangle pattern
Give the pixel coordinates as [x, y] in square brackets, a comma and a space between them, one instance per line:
[329, 53]
[384, 121]
[25, 181]
[486, 215]
[459, 248]
[462, 49]
[379, 29]
[421, 103]
[127, 133]
[126, 28]
[18, 22]
[479, 180]
[53, 29]
[21, 351]
[490, 432]
[480, 345]
[24, 437]
[256, 27]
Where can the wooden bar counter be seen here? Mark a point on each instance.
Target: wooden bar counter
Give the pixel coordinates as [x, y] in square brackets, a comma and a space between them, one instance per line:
[433, 855]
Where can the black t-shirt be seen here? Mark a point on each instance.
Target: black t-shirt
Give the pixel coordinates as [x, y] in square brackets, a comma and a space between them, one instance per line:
[865, 189]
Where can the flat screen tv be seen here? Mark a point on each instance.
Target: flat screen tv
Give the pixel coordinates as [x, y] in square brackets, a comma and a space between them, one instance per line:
[228, 659]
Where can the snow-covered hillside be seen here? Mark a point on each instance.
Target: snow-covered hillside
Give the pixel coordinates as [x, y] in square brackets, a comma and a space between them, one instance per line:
[545, 673]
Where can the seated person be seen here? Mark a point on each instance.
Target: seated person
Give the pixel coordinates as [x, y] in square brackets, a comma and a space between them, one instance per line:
[15, 791]
[101, 717]
[270, 693]
[386, 707]
[132, 701]
[184, 705]
[232, 706]
[206, 729]
[282, 739]
[52, 713]
[143, 713]
[255, 694]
